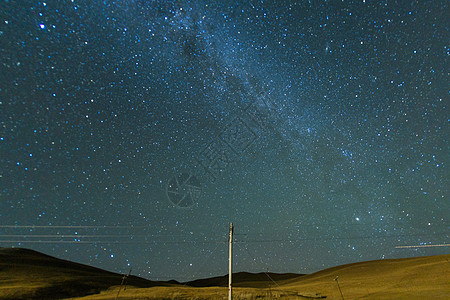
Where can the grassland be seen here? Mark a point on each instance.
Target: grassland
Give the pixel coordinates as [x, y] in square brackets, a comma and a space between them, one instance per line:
[26, 274]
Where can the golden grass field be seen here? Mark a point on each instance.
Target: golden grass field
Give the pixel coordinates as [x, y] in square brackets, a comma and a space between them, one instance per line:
[26, 274]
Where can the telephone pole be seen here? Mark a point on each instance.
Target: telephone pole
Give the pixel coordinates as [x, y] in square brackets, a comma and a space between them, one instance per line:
[337, 277]
[230, 295]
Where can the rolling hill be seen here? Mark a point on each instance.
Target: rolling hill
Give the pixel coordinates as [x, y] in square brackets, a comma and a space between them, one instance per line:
[27, 274]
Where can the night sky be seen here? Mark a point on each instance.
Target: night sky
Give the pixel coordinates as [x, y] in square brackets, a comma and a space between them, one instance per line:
[134, 131]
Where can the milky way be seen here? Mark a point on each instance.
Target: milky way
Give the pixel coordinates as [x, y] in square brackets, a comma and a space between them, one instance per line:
[133, 132]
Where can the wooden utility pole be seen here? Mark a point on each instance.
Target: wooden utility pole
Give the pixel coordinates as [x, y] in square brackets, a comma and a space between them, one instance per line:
[124, 281]
[230, 295]
[337, 277]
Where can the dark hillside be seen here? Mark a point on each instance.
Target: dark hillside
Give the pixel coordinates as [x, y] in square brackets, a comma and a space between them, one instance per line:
[243, 279]
[28, 274]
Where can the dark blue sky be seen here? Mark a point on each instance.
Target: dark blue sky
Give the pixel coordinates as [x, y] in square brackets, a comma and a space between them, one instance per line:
[133, 132]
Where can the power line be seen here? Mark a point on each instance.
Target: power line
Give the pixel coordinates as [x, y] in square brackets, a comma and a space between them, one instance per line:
[71, 226]
[110, 242]
[177, 240]
[341, 238]
[422, 246]
[68, 235]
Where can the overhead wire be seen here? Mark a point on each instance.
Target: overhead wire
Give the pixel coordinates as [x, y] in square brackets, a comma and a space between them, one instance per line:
[182, 239]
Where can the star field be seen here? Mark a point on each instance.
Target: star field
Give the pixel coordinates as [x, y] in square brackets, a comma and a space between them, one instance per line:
[133, 132]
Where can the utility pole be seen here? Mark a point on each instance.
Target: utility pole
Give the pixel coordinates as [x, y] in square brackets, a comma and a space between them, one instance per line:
[337, 277]
[124, 281]
[230, 296]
